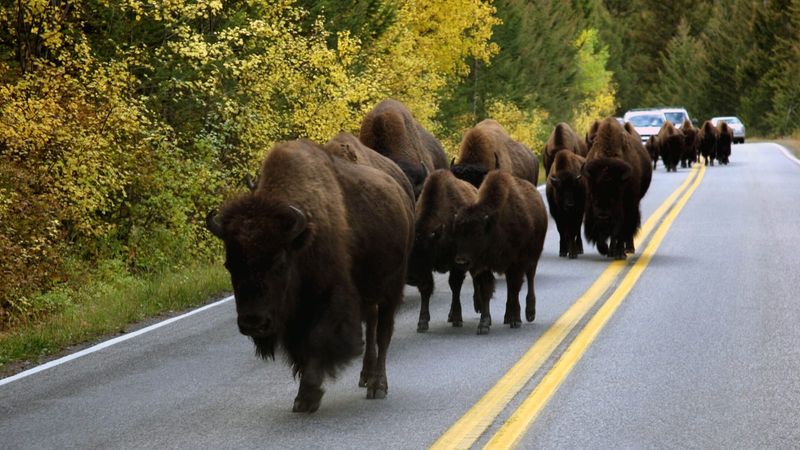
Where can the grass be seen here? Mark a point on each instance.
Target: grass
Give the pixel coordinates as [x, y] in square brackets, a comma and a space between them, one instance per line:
[107, 305]
[790, 142]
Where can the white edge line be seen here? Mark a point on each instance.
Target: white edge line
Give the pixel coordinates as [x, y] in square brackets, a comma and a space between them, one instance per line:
[109, 343]
[788, 154]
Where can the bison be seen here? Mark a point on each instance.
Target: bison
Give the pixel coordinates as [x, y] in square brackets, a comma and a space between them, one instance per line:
[670, 142]
[392, 131]
[689, 144]
[724, 140]
[652, 149]
[590, 135]
[707, 142]
[618, 174]
[562, 138]
[503, 232]
[566, 197]
[319, 246]
[434, 250]
[487, 146]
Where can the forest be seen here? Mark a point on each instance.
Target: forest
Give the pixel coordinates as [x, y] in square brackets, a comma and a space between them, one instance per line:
[123, 122]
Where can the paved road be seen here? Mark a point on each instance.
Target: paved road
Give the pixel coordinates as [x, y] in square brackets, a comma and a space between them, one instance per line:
[701, 353]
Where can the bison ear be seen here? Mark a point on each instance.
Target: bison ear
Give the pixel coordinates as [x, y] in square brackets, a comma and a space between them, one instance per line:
[298, 233]
[212, 223]
[348, 153]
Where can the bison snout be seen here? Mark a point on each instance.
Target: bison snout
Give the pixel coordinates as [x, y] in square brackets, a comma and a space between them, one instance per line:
[255, 325]
[462, 260]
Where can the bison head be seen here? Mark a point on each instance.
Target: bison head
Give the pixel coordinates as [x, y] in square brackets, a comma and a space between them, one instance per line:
[473, 232]
[262, 239]
[570, 190]
[608, 179]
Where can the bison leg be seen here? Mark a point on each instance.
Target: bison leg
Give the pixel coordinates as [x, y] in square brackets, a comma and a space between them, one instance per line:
[484, 285]
[530, 299]
[370, 356]
[513, 286]
[602, 248]
[425, 290]
[456, 280]
[310, 393]
[377, 385]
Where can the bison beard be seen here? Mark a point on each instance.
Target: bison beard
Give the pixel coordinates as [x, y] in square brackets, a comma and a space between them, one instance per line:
[319, 246]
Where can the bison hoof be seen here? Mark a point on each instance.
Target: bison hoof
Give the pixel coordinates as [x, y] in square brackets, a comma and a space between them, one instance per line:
[483, 329]
[455, 319]
[562, 254]
[530, 315]
[421, 327]
[305, 406]
[458, 323]
[362, 381]
[516, 323]
[620, 257]
[573, 255]
[602, 248]
[377, 389]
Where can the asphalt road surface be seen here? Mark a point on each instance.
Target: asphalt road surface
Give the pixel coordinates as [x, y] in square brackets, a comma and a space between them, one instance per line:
[693, 343]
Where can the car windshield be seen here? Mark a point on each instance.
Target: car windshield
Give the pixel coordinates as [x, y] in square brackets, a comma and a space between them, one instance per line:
[651, 120]
[731, 120]
[675, 117]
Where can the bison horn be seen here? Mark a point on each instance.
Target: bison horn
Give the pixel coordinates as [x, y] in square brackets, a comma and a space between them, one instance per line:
[424, 170]
[249, 183]
[213, 225]
[453, 161]
[300, 222]
[496, 161]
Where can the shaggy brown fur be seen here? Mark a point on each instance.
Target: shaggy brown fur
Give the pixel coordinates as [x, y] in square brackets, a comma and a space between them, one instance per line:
[562, 138]
[566, 197]
[707, 142]
[618, 172]
[487, 146]
[689, 145]
[319, 246]
[434, 250]
[347, 146]
[670, 145]
[724, 142]
[632, 131]
[503, 232]
[392, 131]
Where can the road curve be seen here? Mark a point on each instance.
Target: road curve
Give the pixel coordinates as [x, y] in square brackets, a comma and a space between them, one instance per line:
[702, 352]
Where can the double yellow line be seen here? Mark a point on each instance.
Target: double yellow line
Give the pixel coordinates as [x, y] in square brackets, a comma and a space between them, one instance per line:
[474, 423]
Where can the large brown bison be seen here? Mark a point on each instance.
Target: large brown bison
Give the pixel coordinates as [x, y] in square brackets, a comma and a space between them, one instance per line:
[319, 246]
[618, 174]
[487, 146]
[670, 145]
[566, 197]
[707, 142]
[347, 146]
[562, 138]
[434, 249]
[689, 143]
[503, 232]
[724, 141]
[392, 131]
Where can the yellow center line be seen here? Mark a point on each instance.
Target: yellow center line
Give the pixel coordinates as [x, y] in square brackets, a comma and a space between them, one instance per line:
[519, 422]
[464, 432]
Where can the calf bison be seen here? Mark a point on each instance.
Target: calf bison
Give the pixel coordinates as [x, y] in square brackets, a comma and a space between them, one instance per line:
[566, 197]
[392, 131]
[652, 149]
[434, 250]
[707, 142]
[724, 141]
[503, 232]
[618, 174]
[487, 146]
[689, 144]
[319, 246]
[670, 145]
[562, 138]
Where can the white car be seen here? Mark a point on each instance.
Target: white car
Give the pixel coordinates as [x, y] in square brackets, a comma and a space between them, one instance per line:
[676, 115]
[736, 125]
[647, 122]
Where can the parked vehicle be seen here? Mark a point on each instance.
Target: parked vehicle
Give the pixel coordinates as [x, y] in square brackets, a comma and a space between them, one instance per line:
[736, 125]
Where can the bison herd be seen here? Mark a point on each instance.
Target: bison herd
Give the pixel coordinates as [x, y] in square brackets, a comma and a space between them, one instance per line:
[327, 237]
[685, 145]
